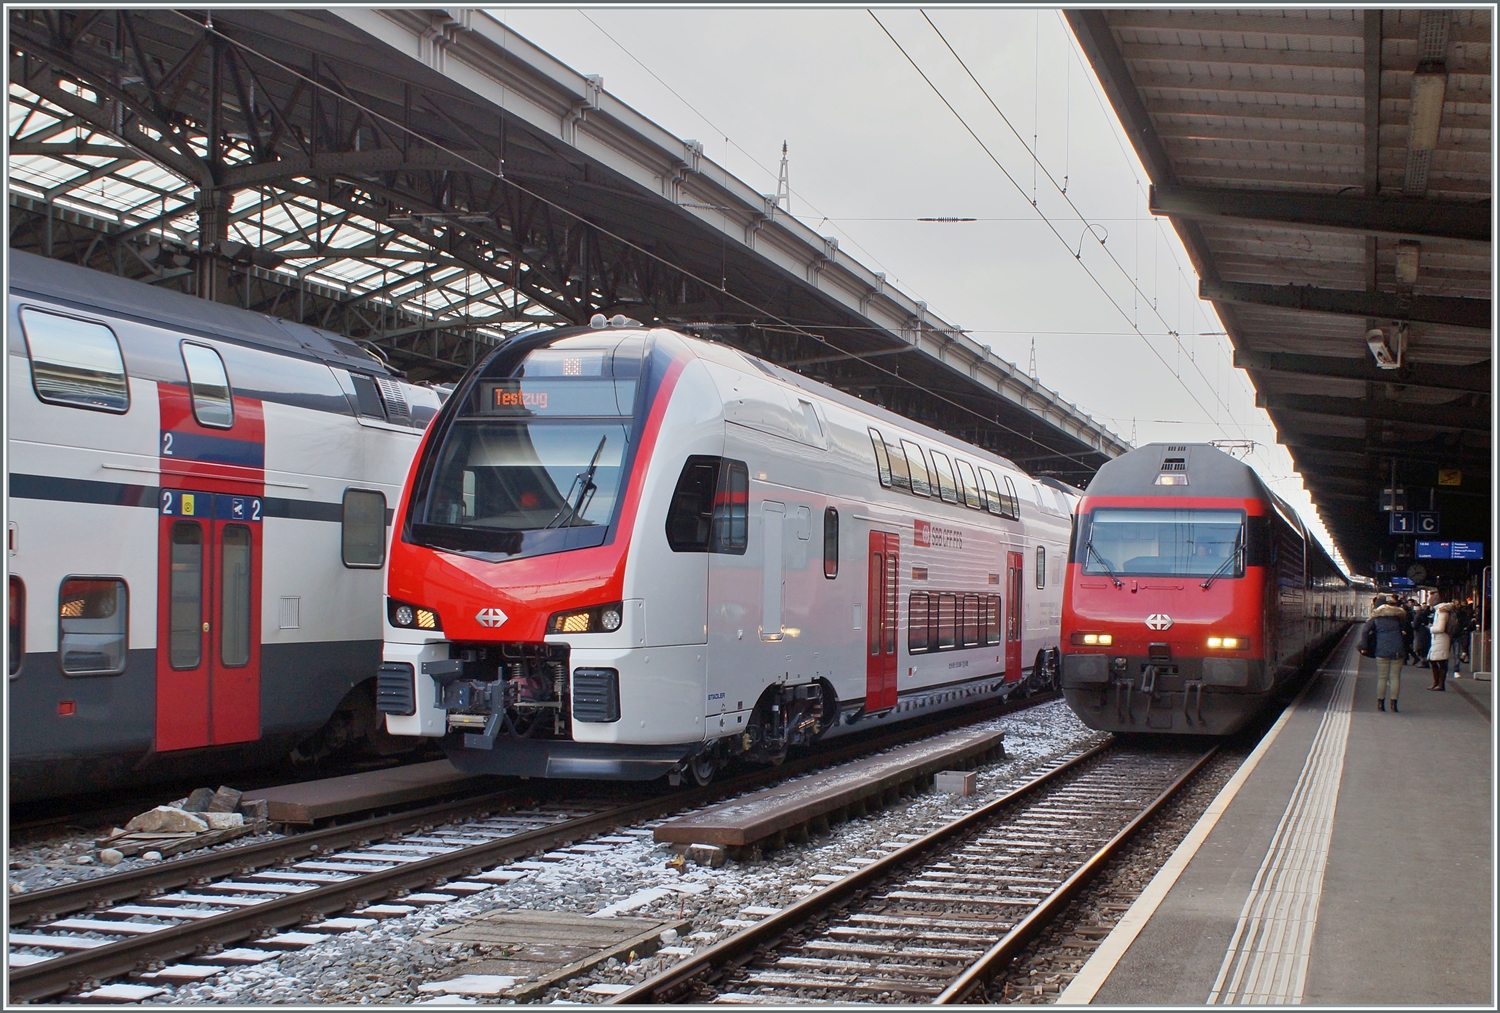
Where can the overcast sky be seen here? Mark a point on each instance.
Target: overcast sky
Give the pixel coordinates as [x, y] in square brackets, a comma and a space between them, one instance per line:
[873, 148]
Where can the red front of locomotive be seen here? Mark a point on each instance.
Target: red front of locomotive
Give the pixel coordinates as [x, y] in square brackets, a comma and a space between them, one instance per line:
[1164, 610]
[509, 554]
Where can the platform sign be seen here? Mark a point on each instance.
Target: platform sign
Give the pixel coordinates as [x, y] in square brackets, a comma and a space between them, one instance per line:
[1434, 550]
[1468, 550]
[1402, 582]
[1403, 522]
[1429, 522]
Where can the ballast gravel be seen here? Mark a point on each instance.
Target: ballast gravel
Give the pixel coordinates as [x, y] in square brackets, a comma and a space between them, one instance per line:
[389, 961]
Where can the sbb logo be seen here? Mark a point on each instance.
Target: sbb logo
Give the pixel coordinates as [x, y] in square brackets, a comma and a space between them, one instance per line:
[921, 534]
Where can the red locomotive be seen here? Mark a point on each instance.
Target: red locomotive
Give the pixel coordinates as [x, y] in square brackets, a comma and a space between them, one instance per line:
[1193, 594]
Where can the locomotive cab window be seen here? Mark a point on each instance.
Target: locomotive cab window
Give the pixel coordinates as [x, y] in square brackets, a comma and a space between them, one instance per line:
[830, 543]
[92, 626]
[364, 529]
[1163, 542]
[15, 641]
[1041, 566]
[75, 362]
[209, 383]
[710, 507]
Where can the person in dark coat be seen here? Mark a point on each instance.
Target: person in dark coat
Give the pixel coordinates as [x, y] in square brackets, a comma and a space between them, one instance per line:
[1384, 637]
[1421, 634]
[1408, 632]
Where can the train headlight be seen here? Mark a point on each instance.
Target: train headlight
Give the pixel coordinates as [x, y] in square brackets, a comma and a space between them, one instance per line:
[1228, 643]
[412, 617]
[599, 619]
[1093, 639]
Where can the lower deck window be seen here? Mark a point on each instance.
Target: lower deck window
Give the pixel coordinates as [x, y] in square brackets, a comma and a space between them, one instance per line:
[937, 621]
[14, 642]
[92, 613]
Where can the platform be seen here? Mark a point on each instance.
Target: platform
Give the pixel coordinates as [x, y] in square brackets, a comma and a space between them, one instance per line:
[310, 801]
[1349, 864]
[757, 816]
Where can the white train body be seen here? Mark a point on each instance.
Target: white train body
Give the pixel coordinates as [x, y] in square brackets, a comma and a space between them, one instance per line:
[786, 614]
[268, 499]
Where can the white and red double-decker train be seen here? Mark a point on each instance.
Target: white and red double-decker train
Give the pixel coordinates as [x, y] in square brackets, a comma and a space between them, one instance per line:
[196, 528]
[623, 552]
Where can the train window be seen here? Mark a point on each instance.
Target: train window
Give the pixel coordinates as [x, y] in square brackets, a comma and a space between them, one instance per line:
[367, 396]
[15, 639]
[992, 619]
[690, 518]
[973, 495]
[92, 626]
[234, 594]
[992, 500]
[920, 483]
[971, 631]
[364, 528]
[943, 472]
[212, 404]
[75, 362]
[947, 621]
[731, 532]
[830, 543]
[1041, 566]
[882, 459]
[1012, 501]
[185, 621]
[916, 622]
[900, 469]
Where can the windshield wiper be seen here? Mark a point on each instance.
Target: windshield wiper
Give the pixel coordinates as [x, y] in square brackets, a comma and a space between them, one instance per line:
[585, 490]
[1224, 566]
[1089, 550]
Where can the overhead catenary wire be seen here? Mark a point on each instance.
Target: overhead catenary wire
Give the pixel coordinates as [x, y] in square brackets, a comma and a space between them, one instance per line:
[1062, 190]
[493, 172]
[1049, 223]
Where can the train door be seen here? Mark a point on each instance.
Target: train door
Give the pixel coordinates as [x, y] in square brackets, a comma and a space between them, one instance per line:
[884, 611]
[773, 585]
[208, 629]
[1016, 563]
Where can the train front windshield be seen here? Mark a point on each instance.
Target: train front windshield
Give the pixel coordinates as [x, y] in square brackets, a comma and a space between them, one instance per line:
[535, 461]
[1157, 542]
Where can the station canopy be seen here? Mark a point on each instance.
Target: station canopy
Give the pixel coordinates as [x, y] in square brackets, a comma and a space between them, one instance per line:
[427, 182]
[1329, 172]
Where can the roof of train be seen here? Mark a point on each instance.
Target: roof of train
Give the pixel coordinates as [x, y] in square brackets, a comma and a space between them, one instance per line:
[88, 289]
[1209, 471]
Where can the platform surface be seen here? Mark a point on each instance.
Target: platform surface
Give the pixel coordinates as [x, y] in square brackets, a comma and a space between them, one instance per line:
[1353, 866]
[309, 801]
[759, 815]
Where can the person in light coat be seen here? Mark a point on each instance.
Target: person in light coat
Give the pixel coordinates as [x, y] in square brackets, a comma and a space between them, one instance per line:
[1444, 625]
[1384, 639]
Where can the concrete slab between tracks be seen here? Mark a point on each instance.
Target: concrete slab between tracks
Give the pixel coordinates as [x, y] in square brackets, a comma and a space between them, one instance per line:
[311, 801]
[1351, 865]
[755, 817]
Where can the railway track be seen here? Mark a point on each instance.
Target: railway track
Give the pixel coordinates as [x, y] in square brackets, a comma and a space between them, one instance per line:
[67, 938]
[935, 920]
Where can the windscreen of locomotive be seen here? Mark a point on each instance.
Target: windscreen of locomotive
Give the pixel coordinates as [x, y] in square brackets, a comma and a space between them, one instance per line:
[1157, 542]
[544, 447]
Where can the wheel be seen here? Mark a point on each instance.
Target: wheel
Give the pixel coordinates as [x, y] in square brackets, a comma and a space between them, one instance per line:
[702, 768]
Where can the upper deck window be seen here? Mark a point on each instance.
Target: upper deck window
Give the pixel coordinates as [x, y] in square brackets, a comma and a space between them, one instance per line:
[917, 462]
[75, 362]
[209, 383]
[1163, 542]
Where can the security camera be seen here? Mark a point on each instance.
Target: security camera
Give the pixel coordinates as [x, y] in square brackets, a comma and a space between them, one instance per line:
[1385, 356]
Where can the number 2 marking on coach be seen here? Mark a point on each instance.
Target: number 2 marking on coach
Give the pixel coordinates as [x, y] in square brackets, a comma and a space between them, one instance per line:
[166, 444]
[166, 502]
[255, 510]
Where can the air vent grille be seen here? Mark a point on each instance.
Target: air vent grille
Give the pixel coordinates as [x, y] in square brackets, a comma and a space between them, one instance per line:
[1174, 464]
[596, 695]
[1177, 449]
[396, 690]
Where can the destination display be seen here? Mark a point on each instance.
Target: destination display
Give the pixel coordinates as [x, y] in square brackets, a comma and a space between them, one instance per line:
[1450, 550]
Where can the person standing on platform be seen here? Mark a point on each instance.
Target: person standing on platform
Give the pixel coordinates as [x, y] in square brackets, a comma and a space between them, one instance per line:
[1384, 636]
[1422, 634]
[1444, 626]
